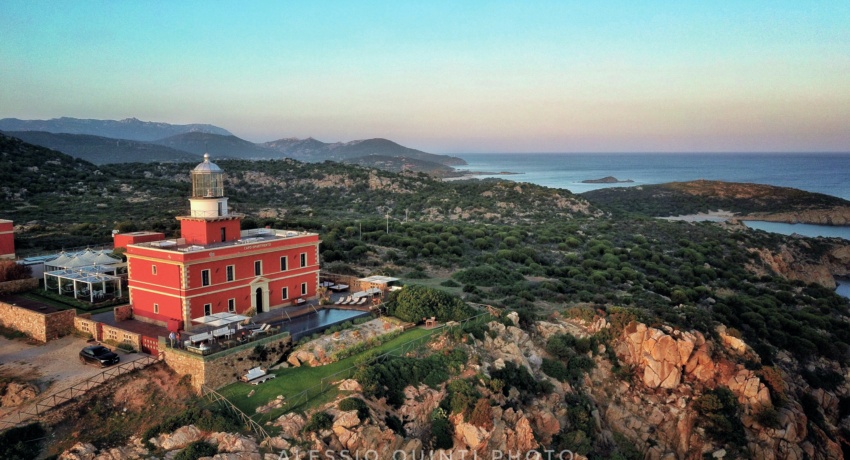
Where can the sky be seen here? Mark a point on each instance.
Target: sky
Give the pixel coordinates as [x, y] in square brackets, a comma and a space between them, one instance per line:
[446, 77]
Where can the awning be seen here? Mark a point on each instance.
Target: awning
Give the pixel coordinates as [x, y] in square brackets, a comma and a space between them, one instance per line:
[220, 319]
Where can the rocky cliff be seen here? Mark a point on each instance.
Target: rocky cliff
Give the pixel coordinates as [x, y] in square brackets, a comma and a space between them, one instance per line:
[838, 215]
[652, 394]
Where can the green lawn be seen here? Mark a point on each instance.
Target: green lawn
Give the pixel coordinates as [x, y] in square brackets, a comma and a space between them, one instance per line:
[292, 381]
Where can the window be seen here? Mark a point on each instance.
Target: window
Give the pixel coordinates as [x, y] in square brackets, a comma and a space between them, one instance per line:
[285, 293]
[231, 305]
[258, 267]
[283, 264]
[153, 269]
[156, 308]
[303, 288]
[205, 277]
[229, 270]
[207, 309]
[223, 234]
[303, 259]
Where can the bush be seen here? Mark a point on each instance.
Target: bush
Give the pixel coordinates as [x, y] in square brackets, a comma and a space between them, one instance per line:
[20, 443]
[11, 271]
[196, 450]
[486, 275]
[355, 404]
[519, 378]
[319, 421]
[768, 417]
[413, 303]
[394, 423]
[126, 347]
[481, 415]
[450, 283]
[441, 430]
[720, 416]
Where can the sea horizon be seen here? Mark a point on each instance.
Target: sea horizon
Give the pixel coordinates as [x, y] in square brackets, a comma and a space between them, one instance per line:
[817, 172]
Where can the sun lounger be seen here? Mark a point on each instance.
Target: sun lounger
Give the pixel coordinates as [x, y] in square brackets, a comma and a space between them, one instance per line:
[261, 330]
[362, 301]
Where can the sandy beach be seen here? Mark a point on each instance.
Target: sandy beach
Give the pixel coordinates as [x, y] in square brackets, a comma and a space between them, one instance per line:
[711, 216]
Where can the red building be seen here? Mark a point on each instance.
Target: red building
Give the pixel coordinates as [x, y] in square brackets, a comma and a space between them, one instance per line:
[7, 240]
[215, 267]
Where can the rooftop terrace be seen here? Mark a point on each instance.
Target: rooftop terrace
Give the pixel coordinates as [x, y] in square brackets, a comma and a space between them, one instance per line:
[247, 237]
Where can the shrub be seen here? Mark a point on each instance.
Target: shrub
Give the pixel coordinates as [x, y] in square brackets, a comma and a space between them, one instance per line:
[394, 423]
[720, 416]
[462, 397]
[441, 430]
[355, 404]
[196, 450]
[768, 417]
[319, 421]
[11, 271]
[555, 369]
[481, 415]
[450, 283]
[20, 443]
[416, 302]
[519, 378]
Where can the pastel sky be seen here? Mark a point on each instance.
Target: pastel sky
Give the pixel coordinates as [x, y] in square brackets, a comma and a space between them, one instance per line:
[446, 77]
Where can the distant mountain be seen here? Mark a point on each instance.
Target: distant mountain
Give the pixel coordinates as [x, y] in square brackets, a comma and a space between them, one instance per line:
[128, 128]
[219, 146]
[312, 150]
[103, 150]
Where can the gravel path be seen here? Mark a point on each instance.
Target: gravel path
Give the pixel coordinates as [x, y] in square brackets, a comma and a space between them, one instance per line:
[52, 367]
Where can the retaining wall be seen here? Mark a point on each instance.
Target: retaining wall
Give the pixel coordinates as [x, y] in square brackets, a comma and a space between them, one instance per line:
[39, 326]
[16, 286]
[225, 367]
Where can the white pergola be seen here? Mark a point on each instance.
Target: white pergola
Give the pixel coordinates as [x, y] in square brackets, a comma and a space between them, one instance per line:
[84, 282]
[219, 319]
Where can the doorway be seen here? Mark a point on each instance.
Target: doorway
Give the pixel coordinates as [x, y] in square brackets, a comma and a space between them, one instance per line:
[258, 299]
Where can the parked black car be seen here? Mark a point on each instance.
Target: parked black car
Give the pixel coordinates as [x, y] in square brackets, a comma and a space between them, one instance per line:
[98, 354]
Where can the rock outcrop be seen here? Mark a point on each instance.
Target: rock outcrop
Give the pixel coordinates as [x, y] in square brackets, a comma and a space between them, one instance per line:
[17, 393]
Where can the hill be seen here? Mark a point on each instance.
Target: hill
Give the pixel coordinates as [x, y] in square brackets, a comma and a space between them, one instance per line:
[102, 150]
[315, 151]
[399, 164]
[128, 128]
[680, 198]
[228, 146]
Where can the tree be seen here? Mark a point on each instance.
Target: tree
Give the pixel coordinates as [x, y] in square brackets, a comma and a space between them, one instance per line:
[413, 303]
[11, 271]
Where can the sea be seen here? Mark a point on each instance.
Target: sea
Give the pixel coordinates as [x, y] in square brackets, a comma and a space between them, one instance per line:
[827, 173]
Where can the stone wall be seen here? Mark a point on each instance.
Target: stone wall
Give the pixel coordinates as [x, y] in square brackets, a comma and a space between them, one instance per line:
[224, 368]
[59, 324]
[39, 326]
[114, 334]
[16, 286]
[124, 312]
[86, 325]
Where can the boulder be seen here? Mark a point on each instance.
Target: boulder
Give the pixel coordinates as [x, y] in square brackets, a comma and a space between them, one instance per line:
[350, 385]
[228, 442]
[17, 393]
[80, 451]
[181, 438]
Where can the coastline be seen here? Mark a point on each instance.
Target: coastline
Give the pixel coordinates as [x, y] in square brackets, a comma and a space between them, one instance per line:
[711, 216]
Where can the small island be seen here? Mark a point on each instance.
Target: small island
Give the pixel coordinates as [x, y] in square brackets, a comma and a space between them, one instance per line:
[606, 180]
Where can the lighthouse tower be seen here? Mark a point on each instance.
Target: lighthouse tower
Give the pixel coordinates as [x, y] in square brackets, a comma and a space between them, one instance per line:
[208, 221]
